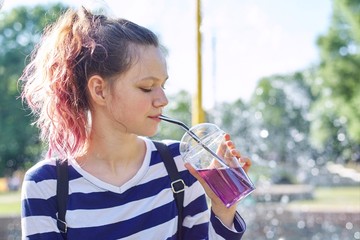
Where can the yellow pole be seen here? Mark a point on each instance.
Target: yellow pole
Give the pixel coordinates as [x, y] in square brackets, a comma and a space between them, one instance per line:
[198, 115]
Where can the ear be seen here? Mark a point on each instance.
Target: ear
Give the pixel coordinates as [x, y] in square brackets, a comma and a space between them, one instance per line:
[97, 87]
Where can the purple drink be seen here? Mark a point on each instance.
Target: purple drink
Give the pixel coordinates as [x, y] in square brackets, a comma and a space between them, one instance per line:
[228, 184]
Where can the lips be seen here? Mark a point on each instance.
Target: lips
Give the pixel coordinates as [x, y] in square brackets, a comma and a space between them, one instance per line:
[156, 117]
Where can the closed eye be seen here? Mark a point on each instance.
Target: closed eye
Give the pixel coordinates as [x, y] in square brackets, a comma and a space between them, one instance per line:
[146, 90]
[153, 84]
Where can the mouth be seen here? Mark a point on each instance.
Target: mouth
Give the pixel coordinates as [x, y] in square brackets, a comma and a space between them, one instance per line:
[156, 117]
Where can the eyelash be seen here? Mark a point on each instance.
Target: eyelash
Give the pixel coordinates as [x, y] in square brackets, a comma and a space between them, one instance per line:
[147, 90]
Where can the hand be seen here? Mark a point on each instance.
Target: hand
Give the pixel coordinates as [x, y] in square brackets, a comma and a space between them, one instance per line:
[245, 162]
[223, 151]
[226, 215]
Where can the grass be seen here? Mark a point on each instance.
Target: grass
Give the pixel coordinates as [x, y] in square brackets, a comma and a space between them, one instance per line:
[10, 203]
[332, 199]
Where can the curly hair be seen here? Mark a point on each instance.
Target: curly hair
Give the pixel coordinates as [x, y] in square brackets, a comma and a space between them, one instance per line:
[76, 47]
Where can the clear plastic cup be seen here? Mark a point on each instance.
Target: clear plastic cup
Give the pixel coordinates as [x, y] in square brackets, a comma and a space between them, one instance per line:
[209, 155]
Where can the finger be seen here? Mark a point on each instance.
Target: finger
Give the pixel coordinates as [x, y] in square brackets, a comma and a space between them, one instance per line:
[227, 137]
[246, 163]
[230, 144]
[235, 153]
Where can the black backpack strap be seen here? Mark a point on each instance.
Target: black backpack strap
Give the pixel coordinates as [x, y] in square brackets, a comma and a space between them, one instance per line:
[177, 184]
[62, 191]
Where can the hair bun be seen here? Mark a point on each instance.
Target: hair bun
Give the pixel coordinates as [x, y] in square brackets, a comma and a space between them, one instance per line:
[96, 7]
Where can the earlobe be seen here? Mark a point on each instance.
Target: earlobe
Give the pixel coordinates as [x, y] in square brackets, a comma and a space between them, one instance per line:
[97, 89]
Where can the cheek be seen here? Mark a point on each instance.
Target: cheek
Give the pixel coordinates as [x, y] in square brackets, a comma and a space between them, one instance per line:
[131, 104]
[141, 103]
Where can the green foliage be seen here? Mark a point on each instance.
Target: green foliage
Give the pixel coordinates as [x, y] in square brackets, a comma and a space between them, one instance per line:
[281, 109]
[350, 10]
[338, 90]
[20, 30]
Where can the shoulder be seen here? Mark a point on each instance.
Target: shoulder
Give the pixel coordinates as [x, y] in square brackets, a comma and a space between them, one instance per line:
[42, 170]
[40, 181]
[172, 146]
[174, 150]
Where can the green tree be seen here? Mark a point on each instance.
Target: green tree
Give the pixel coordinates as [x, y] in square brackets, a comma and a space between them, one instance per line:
[20, 30]
[281, 127]
[338, 89]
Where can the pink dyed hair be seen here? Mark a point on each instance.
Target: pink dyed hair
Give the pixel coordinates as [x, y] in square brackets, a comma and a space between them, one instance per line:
[73, 49]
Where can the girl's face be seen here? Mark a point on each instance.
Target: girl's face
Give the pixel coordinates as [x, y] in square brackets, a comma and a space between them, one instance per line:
[138, 97]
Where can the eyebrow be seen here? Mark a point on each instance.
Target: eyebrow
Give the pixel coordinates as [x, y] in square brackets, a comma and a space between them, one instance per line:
[153, 79]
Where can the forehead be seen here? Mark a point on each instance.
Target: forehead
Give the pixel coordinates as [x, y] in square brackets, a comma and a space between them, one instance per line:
[150, 53]
[149, 62]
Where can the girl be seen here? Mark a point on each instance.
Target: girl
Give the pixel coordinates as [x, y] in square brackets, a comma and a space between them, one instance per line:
[96, 86]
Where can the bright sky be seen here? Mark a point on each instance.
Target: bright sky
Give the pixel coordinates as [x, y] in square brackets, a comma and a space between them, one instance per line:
[243, 40]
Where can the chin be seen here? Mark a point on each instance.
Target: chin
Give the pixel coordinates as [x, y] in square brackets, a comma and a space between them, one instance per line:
[151, 135]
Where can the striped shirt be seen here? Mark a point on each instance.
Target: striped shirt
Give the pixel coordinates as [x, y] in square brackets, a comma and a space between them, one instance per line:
[142, 208]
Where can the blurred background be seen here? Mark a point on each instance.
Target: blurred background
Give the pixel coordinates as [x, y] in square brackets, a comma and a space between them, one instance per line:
[282, 77]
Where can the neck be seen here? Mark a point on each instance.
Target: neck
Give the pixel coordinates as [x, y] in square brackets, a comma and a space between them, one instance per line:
[112, 154]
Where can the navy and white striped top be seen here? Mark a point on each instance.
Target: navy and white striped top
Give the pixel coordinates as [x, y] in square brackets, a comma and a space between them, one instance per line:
[142, 208]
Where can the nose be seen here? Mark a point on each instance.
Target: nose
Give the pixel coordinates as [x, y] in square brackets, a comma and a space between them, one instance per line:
[161, 100]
